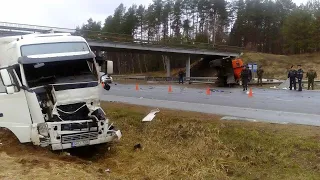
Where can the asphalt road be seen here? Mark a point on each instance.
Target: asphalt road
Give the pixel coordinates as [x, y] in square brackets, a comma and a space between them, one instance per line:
[278, 106]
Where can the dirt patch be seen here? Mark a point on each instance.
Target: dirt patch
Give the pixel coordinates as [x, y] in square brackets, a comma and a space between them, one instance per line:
[175, 145]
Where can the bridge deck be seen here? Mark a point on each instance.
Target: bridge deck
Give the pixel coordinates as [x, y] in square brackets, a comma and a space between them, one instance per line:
[120, 42]
[94, 44]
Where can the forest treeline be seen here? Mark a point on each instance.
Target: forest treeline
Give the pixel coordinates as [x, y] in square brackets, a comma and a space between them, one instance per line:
[268, 26]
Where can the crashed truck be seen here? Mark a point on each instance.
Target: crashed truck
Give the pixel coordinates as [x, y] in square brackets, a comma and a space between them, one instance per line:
[49, 91]
[228, 70]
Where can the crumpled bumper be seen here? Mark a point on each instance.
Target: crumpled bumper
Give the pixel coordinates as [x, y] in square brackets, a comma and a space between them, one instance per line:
[116, 135]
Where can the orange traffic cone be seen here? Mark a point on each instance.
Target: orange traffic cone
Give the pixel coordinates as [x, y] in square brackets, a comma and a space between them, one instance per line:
[250, 93]
[137, 87]
[208, 92]
[170, 89]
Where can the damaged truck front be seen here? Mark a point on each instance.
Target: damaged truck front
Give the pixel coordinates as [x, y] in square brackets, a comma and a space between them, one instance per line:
[49, 92]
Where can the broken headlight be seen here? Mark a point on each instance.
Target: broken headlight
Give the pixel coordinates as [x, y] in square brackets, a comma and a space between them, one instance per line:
[99, 114]
[43, 129]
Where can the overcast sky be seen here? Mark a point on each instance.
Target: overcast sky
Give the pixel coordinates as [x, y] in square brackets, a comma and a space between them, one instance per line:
[63, 13]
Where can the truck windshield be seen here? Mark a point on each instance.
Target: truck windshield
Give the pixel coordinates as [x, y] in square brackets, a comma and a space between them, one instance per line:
[74, 71]
[51, 48]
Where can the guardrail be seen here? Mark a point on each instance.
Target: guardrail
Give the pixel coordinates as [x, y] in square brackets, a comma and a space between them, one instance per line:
[153, 78]
[192, 80]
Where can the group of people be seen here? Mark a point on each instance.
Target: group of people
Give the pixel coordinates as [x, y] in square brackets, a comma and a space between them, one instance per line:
[246, 76]
[297, 75]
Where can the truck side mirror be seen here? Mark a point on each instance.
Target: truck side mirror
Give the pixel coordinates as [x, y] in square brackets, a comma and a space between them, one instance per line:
[7, 81]
[109, 67]
[6, 77]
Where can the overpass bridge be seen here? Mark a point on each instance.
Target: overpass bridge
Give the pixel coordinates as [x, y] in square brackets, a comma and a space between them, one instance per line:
[119, 42]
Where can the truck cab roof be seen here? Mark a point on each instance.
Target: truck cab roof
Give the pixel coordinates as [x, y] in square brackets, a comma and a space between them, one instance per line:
[55, 44]
[41, 38]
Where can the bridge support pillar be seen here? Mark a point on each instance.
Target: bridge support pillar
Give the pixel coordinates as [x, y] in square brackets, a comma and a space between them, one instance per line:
[188, 69]
[167, 60]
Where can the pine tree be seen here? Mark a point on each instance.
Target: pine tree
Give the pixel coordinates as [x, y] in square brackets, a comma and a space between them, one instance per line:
[141, 19]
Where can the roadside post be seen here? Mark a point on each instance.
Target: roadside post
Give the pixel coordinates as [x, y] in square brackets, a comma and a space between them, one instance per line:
[255, 69]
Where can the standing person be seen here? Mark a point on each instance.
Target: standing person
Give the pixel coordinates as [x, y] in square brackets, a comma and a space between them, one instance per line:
[250, 74]
[181, 76]
[260, 72]
[245, 77]
[311, 75]
[300, 77]
[292, 76]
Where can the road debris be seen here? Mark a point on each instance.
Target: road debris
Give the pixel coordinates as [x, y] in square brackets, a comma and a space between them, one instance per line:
[285, 84]
[137, 147]
[216, 90]
[119, 134]
[66, 154]
[182, 89]
[151, 115]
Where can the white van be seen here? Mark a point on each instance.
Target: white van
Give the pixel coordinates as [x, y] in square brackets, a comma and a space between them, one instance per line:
[49, 91]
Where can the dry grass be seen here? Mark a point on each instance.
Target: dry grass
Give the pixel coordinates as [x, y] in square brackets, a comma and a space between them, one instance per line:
[276, 66]
[176, 145]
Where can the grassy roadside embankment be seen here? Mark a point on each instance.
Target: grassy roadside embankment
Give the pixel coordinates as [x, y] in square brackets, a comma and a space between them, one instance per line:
[275, 66]
[177, 145]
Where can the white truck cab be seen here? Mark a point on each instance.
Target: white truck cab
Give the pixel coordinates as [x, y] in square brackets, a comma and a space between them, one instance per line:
[49, 91]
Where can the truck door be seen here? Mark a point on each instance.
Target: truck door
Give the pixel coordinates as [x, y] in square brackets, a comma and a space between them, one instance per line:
[14, 111]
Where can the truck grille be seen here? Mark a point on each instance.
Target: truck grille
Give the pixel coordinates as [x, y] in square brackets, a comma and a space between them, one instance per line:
[79, 137]
[87, 126]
